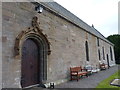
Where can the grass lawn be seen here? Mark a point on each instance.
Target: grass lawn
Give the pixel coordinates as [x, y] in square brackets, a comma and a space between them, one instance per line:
[106, 83]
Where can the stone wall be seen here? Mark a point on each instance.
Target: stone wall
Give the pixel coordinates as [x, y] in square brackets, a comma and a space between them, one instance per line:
[16, 17]
[0, 46]
[107, 51]
[67, 43]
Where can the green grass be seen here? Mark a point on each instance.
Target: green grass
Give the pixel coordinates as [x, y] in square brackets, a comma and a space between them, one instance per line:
[106, 83]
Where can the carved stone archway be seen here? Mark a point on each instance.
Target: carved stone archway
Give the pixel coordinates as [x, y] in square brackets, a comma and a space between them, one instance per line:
[35, 32]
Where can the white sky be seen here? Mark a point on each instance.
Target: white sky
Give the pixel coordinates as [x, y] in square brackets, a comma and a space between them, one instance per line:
[103, 14]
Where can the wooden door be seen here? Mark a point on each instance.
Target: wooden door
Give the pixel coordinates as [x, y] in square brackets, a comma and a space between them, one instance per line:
[30, 63]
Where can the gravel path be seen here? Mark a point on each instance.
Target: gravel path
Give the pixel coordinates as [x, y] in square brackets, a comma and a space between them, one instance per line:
[91, 81]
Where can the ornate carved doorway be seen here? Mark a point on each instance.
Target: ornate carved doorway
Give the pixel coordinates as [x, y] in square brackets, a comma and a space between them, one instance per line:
[32, 47]
[30, 63]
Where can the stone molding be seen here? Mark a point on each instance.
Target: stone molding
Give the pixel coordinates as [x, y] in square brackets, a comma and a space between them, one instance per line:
[34, 29]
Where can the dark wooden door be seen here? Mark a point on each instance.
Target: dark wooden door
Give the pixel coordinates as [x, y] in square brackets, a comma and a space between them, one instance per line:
[30, 63]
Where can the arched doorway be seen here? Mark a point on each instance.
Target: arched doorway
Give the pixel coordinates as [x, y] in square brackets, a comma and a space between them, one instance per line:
[30, 66]
[32, 40]
[34, 51]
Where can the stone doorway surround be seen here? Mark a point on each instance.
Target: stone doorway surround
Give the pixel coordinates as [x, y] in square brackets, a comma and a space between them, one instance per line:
[34, 32]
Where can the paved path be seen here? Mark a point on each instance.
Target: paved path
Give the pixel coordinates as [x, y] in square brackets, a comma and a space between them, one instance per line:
[91, 81]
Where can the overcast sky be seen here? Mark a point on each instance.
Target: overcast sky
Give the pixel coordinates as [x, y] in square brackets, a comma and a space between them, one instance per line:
[103, 14]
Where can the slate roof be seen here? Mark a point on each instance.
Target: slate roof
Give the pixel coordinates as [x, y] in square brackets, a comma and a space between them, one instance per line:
[61, 11]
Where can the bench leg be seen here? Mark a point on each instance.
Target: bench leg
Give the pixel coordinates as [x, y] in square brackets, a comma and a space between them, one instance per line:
[71, 77]
[87, 75]
[77, 77]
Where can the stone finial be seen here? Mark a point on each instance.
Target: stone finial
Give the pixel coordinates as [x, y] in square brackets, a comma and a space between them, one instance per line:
[35, 22]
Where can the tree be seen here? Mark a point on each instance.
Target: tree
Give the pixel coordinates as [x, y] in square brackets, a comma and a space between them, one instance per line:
[115, 39]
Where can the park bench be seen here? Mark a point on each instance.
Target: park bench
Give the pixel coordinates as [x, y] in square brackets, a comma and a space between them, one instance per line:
[89, 69]
[77, 72]
[103, 66]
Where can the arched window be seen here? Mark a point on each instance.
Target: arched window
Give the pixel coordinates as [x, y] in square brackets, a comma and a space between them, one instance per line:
[87, 51]
[103, 53]
[111, 55]
[99, 54]
[98, 41]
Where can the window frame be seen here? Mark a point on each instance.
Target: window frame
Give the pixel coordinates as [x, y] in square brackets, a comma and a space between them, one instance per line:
[87, 50]
[99, 55]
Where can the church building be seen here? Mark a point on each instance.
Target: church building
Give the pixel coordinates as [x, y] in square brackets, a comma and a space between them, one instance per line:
[42, 40]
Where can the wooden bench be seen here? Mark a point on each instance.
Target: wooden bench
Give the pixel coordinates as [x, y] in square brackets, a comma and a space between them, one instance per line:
[89, 69]
[103, 66]
[76, 72]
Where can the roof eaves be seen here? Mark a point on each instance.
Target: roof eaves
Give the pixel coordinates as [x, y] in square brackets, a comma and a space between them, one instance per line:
[58, 9]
